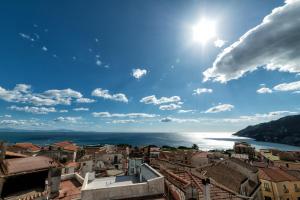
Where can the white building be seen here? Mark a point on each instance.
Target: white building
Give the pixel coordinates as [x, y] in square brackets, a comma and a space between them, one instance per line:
[145, 184]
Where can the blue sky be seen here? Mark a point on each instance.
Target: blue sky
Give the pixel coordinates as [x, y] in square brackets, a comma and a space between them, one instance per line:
[138, 65]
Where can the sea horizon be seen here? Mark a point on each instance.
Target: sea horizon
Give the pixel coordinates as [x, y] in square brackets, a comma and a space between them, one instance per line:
[205, 140]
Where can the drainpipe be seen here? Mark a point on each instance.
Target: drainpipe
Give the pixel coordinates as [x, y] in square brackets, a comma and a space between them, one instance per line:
[206, 183]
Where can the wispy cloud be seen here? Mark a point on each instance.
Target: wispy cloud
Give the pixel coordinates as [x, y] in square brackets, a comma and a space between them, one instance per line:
[186, 111]
[220, 108]
[219, 43]
[163, 100]
[129, 115]
[264, 90]
[85, 100]
[179, 120]
[68, 119]
[34, 110]
[99, 92]
[81, 109]
[270, 45]
[171, 106]
[199, 91]
[288, 86]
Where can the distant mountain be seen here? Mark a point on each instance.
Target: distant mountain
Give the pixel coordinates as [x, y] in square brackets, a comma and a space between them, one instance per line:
[27, 130]
[285, 130]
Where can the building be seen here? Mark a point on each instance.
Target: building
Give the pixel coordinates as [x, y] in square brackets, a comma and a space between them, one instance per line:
[70, 187]
[28, 177]
[279, 184]
[236, 175]
[133, 165]
[146, 184]
[24, 148]
[243, 150]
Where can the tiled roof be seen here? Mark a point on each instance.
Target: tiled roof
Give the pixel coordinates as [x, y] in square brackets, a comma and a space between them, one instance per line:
[226, 176]
[72, 164]
[19, 165]
[275, 175]
[216, 192]
[28, 146]
[10, 153]
[244, 164]
[66, 145]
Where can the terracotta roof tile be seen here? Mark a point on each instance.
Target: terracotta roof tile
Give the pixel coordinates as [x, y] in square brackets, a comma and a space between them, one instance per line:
[28, 146]
[275, 175]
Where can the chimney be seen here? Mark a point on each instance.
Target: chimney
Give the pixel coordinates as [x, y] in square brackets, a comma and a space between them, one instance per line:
[206, 183]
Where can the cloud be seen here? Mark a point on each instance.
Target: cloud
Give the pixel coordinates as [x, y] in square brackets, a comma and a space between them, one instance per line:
[129, 115]
[68, 119]
[21, 123]
[219, 43]
[186, 111]
[171, 106]
[139, 73]
[199, 91]
[260, 117]
[34, 110]
[123, 121]
[153, 100]
[81, 109]
[288, 86]
[264, 90]
[27, 37]
[22, 94]
[274, 44]
[220, 108]
[98, 62]
[178, 120]
[99, 92]
[6, 116]
[63, 111]
[44, 48]
[85, 100]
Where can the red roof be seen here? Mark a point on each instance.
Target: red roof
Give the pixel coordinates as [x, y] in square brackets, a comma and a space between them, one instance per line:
[275, 175]
[66, 145]
[20, 165]
[28, 146]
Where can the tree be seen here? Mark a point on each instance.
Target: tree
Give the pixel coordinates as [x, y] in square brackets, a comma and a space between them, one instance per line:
[195, 146]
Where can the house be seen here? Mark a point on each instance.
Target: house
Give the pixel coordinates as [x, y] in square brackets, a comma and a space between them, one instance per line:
[244, 150]
[28, 177]
[146, 184]
[24, 148]
[279, 184]
[70, 187]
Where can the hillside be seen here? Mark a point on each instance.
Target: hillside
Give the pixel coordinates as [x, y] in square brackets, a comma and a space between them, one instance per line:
[285, 130]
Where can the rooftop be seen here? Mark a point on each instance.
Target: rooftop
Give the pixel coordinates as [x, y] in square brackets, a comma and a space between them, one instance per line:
[276, 175]
[111, 182]
[28, 164]
[66, 145]
[28, 146]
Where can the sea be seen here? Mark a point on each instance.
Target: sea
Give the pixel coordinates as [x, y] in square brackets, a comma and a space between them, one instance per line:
[205, 140]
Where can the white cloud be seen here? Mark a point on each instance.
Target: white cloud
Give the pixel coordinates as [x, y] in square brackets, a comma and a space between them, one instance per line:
[129, 115]
[171, 106]
[68, 119]
[273, 44]
[179, 120]
[34, 110]
[20, 123]
[99, 92]
[264, 90]
[219, 43]
[153, 100]
[6, 116]
[85, 100]
[260, 117]
[22, 94]
[123, 121]
[81, 109]
[26, 36]
[44, 48]
[220, 108]
[199, 91]
[139, 73]
[288, 86]
[98, 62]
[186, 111]
[63, 111]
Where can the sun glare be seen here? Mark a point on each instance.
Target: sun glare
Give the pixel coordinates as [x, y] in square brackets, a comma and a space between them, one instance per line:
[204, 31]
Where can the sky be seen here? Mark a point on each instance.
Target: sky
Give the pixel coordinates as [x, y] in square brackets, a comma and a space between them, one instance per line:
[148, 66]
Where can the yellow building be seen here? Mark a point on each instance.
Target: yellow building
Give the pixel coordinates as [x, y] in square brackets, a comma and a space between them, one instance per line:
[279, 184]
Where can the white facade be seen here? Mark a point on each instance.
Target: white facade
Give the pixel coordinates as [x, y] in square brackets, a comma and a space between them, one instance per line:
[147, 182]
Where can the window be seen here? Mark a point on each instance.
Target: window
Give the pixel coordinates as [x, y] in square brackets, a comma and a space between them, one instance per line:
[297, 189]
[266, 187]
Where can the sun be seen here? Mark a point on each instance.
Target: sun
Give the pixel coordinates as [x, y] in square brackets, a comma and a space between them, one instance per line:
[204, 31]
